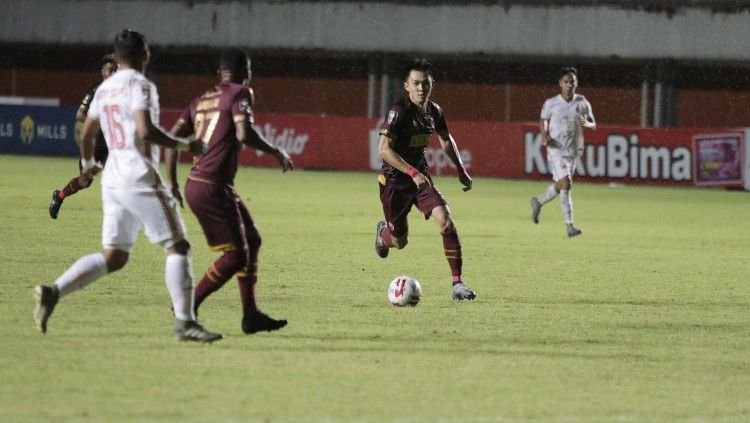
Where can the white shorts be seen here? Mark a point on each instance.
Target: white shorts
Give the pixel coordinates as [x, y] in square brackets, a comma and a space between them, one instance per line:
[127, 210]
[559, 165]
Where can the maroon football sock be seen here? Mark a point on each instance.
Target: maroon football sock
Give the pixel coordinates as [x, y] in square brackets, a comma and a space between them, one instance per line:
[73, 187]
[247, 293]
[387, 237]
[216, 276]
[452, 246]
[247, 281]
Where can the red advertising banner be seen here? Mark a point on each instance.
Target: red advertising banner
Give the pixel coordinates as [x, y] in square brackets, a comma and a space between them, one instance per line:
[507, 150]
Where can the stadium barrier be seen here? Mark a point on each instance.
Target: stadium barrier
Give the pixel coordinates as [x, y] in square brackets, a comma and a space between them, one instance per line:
[38, 130]
[626, 155]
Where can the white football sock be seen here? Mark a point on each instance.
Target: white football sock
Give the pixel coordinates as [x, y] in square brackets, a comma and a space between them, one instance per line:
[567, 206]
[548, 195]
[179, 276]
[81, 274]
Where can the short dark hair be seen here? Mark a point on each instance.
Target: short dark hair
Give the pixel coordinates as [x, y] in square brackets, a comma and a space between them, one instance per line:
[130, 46]
[567, 70]
[234, 59]
[421, 65]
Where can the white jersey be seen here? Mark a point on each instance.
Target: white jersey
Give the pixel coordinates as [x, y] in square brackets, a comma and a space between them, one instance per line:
[131, 162]
[564, 128]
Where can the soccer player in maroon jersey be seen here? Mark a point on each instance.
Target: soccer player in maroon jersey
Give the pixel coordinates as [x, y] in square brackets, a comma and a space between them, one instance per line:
[404, 180]
[222, 118]
[109, 66]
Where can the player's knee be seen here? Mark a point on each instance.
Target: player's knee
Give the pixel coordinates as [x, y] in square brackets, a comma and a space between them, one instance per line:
[563, 183]
[254, 240]
[234, 261]
[115, 260]
[566, 183]
[181, 248]
[447, 227]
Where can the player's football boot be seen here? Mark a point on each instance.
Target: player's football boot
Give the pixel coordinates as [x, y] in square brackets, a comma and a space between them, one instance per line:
[261, 322]
[54, 206]
[536, 207]
[573, 231]
[380, 247]
[46, 299]
[190, 330]
[462, 292]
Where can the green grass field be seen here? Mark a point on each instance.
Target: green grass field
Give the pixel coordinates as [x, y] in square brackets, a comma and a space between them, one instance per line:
[646, 317]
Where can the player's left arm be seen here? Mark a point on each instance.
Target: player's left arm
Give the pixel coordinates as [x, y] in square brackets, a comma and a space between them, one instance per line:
[586, 116]
[247, 134]
[448, 144]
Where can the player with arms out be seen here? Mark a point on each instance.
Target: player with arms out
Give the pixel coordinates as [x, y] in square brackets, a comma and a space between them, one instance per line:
[404, 180]
[109, 66]
[561, 121]
[126, 107]
[222, 118]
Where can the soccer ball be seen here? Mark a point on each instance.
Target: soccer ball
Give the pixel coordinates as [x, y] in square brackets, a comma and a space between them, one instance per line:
[404, 291]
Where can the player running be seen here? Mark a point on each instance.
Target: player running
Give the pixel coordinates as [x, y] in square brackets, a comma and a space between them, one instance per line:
[109, 66]
[404, 181]
[222, 118]
[126, 106]
[561, 121]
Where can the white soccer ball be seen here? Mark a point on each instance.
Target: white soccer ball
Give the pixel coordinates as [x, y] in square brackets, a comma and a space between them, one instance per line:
[404, 291]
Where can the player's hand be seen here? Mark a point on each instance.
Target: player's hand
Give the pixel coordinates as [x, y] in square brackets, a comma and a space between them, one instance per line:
[177, 194]
[197, 147]
[421, 181]
[465, 179]
[582, 119]
[284, 160]
[546, 140]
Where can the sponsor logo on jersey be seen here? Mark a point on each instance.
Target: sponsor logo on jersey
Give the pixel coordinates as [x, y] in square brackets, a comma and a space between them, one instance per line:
[419, 140]
[146, 90]
[391, 117]
[621, 156]
[245, 106]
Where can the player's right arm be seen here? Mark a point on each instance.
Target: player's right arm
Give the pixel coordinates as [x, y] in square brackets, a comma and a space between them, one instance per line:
[150, 133]
[386, 152]
[544, 130]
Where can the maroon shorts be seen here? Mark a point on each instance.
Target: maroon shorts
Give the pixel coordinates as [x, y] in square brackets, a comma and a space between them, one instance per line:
[225, 220]
[398, 198]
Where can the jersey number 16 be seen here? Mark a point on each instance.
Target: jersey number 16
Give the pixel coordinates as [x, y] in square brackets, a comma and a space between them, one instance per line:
[116, 139]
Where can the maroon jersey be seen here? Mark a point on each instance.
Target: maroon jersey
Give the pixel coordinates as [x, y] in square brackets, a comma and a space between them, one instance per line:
[213, 117]
[410, 130]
